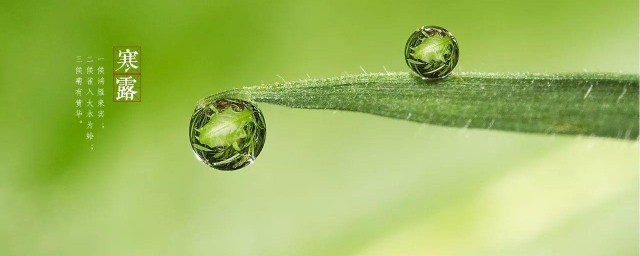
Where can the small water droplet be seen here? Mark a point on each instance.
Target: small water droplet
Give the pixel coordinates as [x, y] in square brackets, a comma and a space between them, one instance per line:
[227, 134]
[431, 52]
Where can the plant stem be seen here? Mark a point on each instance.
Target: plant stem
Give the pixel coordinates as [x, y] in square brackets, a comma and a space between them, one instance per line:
[590, 104]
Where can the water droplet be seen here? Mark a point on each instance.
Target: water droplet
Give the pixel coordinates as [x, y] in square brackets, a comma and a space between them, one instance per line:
[431, 52]
[227, 134]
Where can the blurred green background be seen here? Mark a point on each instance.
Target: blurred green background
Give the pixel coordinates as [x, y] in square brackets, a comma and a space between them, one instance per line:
[320, 186]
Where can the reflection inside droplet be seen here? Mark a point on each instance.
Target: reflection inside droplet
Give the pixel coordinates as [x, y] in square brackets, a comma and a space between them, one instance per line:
[431, 52]
[227, 134]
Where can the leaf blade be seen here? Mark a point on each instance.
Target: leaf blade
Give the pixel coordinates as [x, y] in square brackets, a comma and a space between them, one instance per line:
[591, 104]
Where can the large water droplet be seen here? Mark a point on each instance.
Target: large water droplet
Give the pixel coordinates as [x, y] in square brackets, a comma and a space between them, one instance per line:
[227, 134]
[431, 52]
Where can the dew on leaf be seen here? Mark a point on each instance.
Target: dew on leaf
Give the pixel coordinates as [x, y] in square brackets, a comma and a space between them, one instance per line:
[431, 52]
[227, 134]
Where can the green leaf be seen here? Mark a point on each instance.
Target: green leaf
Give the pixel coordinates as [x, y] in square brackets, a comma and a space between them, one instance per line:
[225, 128]
[590, 104]
[197, 146]
[433, 48]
